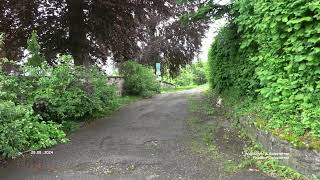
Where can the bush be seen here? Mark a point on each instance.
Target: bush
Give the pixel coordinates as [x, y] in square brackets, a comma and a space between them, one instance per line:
[35, 58]
[139, 80]
[37, 99]
[34, 102]
[194, 74]
[185, 77]
[199, 73]
[21, 130]
[71, 93]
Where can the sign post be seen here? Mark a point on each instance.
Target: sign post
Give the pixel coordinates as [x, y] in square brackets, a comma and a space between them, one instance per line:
[158, 71]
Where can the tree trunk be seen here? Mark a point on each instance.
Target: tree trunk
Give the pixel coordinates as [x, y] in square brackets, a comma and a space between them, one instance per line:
[79, 45]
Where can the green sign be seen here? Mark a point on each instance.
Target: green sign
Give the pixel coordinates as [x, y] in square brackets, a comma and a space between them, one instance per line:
[158, 69]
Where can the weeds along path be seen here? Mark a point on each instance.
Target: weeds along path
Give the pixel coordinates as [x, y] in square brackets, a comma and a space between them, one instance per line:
[164, 137]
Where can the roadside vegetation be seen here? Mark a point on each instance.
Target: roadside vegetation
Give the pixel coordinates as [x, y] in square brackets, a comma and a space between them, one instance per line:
[194, 74]
[183, 88]
[213, 128]
[44, 94]
[41, 103]
[139, 80]
[267, 55]
[264, 63]
[190, 77]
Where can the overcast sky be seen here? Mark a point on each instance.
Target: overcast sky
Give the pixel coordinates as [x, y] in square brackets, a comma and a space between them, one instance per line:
[211, 33]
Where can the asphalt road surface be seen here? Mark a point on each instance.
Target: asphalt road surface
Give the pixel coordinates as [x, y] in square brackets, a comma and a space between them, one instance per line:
[145, 140]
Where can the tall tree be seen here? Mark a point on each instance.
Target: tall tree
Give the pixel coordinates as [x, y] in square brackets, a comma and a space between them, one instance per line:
[206, 10]
[93, 30]
[78, 42]
[35, 58]
[170, 41]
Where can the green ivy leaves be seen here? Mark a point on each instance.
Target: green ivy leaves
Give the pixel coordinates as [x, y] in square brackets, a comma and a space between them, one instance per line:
[287, 37]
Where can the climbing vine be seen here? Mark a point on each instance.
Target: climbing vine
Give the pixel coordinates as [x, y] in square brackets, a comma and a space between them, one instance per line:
[229, 69]
[280, 40]
[288, 35]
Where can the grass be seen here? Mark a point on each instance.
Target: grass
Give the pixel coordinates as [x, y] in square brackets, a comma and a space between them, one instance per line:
[256, 115]
[203, 140]
[202, 134]
[270, 165]
[183, 88]
[124, 100]
[266, 164]
[236, 108]
[205, 144]
[118, 103]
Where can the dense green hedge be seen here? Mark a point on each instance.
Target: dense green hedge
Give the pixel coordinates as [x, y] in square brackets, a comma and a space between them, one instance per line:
[280, 40]
[139, 80]
[229, 69]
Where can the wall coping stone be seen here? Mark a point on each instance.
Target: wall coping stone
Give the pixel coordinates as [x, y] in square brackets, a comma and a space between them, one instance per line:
[305, 161]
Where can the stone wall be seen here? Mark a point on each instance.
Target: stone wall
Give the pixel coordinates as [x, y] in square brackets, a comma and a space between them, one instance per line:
[167, 85]
[118, 82]
[304, 161]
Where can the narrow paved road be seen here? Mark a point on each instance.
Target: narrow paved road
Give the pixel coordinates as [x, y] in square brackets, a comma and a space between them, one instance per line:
[145, 140]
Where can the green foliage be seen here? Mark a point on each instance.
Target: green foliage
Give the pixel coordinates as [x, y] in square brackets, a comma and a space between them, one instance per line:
[21, 130]
[272, 48]
[71, 93]
[185, 77]
[208, 10]
[199, 73]
[39, 101]
[287, 36]
[269, 165]
[36, 58]
[183, 88]
[228, 66]
[254, 155]
[139, 80]
[194, 74]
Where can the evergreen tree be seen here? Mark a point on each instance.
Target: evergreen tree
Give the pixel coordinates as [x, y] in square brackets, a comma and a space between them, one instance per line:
[35, 58]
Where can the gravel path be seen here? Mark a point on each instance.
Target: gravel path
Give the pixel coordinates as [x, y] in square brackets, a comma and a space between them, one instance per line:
[146, 140]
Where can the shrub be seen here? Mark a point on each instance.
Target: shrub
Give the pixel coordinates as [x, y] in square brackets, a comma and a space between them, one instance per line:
[185, 77]
[71, 93]
[139, 80]
[194, 74]
[199, 73]
[21, 130]
[38, 99]
[35, 58]
[34, 102]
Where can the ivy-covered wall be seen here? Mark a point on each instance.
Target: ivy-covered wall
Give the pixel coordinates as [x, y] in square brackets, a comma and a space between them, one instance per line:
[280, 41]
[229, 67]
